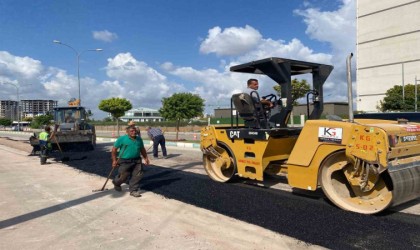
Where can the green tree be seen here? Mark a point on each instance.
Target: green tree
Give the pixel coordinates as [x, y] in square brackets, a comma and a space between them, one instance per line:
[5, 122]
[181, 106]
[107, 119]
[393, 100]
[40, 120]
[28, 119]
[299, 89]
[116, 107]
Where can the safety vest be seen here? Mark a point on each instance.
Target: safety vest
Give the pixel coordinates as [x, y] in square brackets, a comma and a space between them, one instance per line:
[43, 139]
[43, 136]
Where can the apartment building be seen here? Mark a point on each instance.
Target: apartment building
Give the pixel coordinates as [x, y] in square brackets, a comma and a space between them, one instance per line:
[388, 48]
[32, 108]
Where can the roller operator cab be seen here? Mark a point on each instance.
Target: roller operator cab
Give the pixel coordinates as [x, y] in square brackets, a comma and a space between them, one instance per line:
[362, 165]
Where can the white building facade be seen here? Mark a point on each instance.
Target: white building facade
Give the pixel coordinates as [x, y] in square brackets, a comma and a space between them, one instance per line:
[142, 115]
[388, 48]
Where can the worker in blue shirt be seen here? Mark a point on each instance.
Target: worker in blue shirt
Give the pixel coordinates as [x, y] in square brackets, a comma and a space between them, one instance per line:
[156, 135]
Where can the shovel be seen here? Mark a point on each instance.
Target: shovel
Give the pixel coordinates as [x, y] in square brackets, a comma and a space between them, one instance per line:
[63, 158]
[109, 175]
[103, 187]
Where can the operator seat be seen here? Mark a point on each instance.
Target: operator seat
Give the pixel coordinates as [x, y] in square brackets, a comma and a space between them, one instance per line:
[250, 109]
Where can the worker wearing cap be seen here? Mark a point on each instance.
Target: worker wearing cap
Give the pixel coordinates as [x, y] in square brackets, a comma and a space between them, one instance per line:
[131, 123]
[129, 149]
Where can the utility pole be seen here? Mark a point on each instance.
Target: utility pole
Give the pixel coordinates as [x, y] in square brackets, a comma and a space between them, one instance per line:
[403, 92]
[415, 93]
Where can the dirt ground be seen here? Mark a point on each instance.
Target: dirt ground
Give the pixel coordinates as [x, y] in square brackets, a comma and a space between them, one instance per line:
[17, 144]
[51, 207]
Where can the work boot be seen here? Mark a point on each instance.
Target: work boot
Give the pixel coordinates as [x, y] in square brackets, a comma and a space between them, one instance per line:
[117, 188]
[135, 193]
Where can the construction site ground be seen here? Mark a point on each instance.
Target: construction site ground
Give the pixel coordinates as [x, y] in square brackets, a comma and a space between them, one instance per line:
[53, 207]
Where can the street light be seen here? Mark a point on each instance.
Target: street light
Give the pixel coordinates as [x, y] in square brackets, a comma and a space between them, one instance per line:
[78, 54]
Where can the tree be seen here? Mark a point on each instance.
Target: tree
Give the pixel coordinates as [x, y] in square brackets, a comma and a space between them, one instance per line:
[41, 120]
[393, 100]
[181, 106]
[299, 89]
[5, 122]
[117, 107]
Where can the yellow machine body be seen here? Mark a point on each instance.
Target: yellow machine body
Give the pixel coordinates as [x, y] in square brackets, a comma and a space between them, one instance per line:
[362, 165]
[302, 156]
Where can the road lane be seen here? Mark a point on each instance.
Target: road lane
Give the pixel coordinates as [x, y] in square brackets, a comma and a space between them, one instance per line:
[305, 216]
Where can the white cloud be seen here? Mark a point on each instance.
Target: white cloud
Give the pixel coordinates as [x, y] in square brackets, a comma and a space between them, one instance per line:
[217, 86]
[129, 78]
[231, 41]
[338, 27]
[125, 67]
[141, 84]
[104, 36]
[145, 86]
[17, 67]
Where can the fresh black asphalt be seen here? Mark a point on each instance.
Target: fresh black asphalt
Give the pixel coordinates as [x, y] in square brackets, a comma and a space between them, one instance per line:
[309, 219]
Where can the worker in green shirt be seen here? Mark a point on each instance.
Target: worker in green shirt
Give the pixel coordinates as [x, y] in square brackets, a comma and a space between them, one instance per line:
[126, 154]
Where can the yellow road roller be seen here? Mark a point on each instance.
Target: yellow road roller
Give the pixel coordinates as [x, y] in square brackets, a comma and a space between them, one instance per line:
[362, 165]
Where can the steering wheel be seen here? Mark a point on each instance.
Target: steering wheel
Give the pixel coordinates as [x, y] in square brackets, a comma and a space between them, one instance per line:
[271, 98]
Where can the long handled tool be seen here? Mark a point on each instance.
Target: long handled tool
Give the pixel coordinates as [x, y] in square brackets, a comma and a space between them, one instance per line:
[63, 158]
[110, 173]
[152, 144]
[103, 187]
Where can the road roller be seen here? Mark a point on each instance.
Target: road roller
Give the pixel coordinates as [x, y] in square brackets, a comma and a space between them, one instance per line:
[362, 165]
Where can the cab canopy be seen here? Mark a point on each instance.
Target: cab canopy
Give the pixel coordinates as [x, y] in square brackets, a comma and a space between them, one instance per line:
[281, 71]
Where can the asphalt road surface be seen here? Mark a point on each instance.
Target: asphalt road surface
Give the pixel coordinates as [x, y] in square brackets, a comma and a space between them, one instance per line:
[307, 217]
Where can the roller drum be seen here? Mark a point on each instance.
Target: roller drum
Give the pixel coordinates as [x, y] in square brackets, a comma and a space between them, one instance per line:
[406, 182]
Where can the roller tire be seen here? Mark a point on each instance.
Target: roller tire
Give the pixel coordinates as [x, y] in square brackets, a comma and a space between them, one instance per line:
[338, 190]
[218, 173]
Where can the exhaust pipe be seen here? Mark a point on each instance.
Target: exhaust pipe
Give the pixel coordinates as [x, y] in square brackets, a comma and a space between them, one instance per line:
[350, 88]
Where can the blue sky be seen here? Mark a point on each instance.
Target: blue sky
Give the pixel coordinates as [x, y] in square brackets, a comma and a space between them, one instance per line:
[154, 48]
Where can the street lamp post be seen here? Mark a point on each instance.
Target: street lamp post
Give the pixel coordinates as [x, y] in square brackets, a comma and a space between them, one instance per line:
[78, 54]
